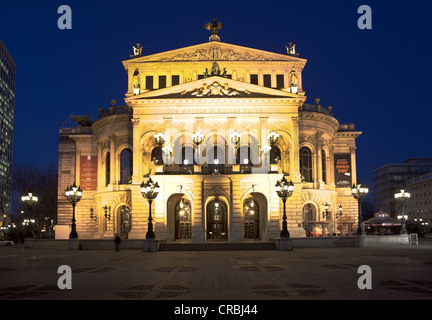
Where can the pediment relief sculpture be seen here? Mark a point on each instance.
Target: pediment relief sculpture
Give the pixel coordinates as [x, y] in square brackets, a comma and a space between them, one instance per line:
[215, 53]
[214, 89]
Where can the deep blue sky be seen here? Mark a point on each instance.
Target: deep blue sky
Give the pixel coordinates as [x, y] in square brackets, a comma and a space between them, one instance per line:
[379, 79]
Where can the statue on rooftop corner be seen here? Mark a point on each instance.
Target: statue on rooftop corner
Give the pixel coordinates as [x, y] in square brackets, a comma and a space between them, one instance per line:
[214, 27]
[137, 50]
[290, 48]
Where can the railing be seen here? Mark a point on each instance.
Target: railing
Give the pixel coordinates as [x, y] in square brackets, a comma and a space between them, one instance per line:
[205, 169]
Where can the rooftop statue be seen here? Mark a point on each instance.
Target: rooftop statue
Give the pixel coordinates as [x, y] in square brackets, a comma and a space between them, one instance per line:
[214, 27]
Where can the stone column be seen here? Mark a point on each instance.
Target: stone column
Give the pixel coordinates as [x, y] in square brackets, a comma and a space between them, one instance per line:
[198, 222]
[77, 167]
[112, 161]
[137, 152]
[353, 165]
[295, 152]
[318, 162]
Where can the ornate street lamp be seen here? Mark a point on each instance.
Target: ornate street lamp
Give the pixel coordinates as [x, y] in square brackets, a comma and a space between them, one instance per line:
[198, 137]
[325, 213]
[159, 138]
[284, 190]
[272, 137]
[339, 214]
[360, 192]
[29, 200]
[107, 212]
[402, 197]
[235, 137]
[73, 194]
[149, 191]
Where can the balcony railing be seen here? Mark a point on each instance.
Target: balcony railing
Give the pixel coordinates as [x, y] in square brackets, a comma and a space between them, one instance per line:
[207, 169]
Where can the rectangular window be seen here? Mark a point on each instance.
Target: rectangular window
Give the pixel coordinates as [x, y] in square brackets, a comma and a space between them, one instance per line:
[149, 82]
[175, 80]
[267, 80]
[254, 79]
[280, 81]
[162, 82]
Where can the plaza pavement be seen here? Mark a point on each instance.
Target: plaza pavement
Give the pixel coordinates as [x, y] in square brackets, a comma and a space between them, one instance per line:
[399, 272]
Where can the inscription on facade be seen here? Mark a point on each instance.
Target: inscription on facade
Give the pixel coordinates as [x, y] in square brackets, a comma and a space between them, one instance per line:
[211, 110]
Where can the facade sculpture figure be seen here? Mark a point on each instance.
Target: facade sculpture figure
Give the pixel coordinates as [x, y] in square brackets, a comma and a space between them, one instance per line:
[293, 77]
[214, 27]
[137, 50]
[290, 49]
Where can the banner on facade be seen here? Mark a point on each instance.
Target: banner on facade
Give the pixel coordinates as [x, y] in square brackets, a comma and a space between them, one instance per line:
[88, 172]
[343, 170]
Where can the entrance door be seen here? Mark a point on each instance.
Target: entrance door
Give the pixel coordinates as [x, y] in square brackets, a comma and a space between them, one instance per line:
[183, 225]
[125, 224]
[251, 219]
[217, 220]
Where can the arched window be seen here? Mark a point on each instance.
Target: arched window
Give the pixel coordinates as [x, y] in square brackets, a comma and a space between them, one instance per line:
[275, 155]
[324, 166]
[156, 156]
[187, 156]
[306, 164]
[126, 166]
[244, 155]
[107, 169]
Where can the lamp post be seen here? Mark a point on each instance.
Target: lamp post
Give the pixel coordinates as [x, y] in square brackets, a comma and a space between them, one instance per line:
[149, 191]
[272, 137]
[30, 200]
[339, 215]
[73, 194]
[107, 212]
[284, 190]
[159, 138]
[360, 192]
[198, 137]
[402, 197]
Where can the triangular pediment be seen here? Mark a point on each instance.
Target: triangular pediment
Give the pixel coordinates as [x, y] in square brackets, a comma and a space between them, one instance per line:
[214, 51]
[214, 87]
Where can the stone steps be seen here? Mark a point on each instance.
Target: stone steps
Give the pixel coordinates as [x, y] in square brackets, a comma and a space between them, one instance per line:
[217, 246]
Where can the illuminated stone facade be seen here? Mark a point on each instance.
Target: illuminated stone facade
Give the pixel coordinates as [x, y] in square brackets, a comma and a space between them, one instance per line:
[219, 189]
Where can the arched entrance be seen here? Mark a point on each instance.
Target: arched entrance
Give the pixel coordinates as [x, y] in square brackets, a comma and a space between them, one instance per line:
[255, 216]
[309, 219]
[183, 221]
[179, 217]
[251, 213]
[124, 218]
[217, 223]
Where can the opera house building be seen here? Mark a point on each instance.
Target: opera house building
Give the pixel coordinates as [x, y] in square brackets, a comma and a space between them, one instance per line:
[216, 127]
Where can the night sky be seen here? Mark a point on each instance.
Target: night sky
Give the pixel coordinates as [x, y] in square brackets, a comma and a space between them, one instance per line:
[378, 79]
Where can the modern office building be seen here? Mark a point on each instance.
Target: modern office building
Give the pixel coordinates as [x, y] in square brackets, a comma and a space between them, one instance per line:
[216, 125]
[389, 179]
[7, 106]
[419, 206]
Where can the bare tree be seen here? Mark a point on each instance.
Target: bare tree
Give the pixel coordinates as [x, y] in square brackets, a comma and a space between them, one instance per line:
[42, 183]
